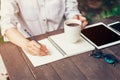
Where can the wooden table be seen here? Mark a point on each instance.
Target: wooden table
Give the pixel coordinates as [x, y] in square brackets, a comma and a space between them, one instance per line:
[79, 67]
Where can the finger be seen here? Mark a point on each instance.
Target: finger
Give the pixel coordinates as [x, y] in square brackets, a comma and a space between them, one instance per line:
[44, 48]
[36, 53]
[39, 51]
[84, 24]
[32, 45]
[40, 46]
[32, 52]
[75, 17]
[42, 53]
[36, 44]
[82, 18]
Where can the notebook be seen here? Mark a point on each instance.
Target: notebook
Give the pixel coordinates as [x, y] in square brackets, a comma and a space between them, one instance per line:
[59, 48]
[100, 35]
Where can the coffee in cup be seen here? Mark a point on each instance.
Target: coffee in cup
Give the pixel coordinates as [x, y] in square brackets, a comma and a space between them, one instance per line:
[72, 29]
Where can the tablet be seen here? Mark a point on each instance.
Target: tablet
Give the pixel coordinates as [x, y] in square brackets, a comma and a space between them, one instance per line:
[115, 26]
[100, 35]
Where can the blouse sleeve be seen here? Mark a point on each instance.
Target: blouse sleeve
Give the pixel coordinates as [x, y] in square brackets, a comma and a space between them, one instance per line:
[71, 8]
[9, 9]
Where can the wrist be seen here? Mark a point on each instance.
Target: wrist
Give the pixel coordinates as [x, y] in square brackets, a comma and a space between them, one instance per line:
[24, 43]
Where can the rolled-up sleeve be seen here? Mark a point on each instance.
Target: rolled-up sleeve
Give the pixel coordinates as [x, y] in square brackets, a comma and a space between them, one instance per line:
[71, 8]
[9, 10]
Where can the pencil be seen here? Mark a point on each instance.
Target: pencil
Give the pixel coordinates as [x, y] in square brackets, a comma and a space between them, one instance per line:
[31, 37]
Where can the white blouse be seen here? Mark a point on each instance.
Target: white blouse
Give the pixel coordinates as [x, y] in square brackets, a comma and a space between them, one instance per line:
[37, 16]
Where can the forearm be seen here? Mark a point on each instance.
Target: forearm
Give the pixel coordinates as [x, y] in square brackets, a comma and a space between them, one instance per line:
[16, 37]
[31, 47]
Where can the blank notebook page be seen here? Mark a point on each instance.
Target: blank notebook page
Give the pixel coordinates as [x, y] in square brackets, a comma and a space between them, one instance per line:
[72, 48]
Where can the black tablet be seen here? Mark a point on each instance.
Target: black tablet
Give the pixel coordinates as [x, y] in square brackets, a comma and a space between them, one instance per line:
[100, 36]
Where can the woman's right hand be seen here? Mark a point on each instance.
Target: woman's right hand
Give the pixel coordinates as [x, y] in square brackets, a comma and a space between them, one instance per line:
[31, 47]
[35, 48]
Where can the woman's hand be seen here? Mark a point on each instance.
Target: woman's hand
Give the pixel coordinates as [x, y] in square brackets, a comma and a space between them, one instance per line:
[82, 19]
[31, 47]
[35, 48]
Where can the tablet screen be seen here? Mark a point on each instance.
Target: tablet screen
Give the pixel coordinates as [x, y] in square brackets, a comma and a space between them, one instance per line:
[100, 35]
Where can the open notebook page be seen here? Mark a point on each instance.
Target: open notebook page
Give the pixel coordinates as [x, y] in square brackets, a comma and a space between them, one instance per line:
[72, 48]
[54, 55]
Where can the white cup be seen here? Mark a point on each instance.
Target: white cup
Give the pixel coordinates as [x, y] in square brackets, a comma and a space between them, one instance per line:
[72, 29]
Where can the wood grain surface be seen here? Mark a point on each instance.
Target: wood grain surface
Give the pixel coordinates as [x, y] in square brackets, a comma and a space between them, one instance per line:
[78, 67]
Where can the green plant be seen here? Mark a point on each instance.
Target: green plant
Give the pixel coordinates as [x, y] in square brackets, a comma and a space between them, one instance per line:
[112, 12]
[95, 10]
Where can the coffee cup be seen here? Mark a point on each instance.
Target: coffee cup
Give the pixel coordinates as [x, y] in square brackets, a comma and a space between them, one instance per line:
[72, 29]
